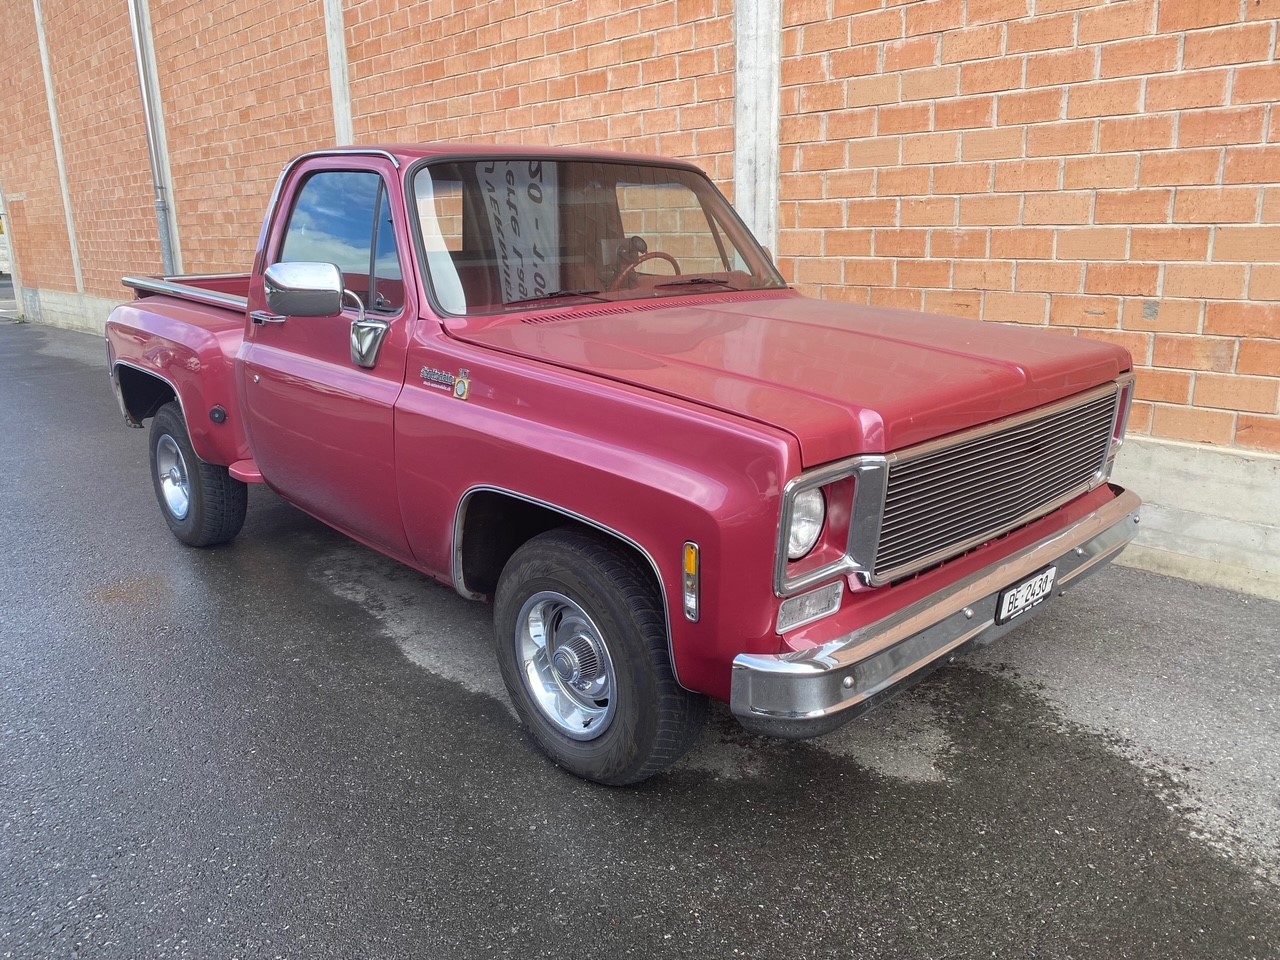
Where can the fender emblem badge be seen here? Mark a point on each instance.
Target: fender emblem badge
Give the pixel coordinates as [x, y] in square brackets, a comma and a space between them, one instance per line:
[438, 378]
[462, 385]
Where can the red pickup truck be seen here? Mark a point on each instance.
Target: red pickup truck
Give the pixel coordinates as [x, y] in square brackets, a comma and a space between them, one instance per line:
[573, 384]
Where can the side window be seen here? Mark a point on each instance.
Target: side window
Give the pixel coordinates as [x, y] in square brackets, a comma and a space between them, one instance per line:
[344, 217]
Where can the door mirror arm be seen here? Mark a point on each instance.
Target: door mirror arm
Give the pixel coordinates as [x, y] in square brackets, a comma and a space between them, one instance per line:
[366, 334]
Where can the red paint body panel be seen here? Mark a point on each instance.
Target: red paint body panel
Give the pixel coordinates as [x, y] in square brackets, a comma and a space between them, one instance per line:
[665, 420]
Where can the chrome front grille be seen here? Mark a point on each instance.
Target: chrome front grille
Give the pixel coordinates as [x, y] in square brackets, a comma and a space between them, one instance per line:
[946, 496]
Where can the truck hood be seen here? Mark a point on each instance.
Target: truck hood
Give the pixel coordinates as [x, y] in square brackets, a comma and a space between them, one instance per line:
[841, 379]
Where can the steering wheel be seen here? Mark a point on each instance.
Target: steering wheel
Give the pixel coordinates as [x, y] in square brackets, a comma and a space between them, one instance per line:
[630, 268]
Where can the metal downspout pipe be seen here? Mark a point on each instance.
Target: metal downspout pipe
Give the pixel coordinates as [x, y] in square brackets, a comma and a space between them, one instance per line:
[146, 78]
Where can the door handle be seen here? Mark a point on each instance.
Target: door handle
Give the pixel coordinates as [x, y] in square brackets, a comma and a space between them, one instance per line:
[261, 317]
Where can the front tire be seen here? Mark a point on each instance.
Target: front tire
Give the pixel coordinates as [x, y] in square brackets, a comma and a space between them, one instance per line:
[201, 502]
[582, 644]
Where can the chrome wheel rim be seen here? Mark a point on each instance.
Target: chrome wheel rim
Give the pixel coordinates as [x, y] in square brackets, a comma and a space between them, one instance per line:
[171, 472]
[565, 665]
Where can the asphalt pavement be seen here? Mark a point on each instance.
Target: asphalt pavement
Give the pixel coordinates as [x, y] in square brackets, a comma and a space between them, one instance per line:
[292, 747]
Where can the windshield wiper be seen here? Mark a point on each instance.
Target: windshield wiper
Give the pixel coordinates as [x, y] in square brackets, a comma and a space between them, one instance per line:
[556, 295]
[697, 281]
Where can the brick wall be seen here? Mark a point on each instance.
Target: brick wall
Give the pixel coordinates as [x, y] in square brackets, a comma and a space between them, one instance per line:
[37, 225]
[1108, 169]
[649, 77]
[108, 172]
[245, 87]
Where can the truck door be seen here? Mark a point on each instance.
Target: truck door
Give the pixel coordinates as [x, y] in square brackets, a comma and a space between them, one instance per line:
[320, 425]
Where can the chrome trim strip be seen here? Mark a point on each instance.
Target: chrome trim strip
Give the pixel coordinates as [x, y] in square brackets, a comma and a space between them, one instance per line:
[811, 684]
[170, 286]
[459, 583]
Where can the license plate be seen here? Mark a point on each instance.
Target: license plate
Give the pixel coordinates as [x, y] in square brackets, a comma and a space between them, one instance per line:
[1021, 597]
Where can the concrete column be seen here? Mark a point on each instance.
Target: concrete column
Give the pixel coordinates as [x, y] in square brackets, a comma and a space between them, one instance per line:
[757, 94]
[339, 82]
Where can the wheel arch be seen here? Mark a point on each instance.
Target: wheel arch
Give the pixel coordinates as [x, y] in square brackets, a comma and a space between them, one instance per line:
[142, 392]
[492, 522]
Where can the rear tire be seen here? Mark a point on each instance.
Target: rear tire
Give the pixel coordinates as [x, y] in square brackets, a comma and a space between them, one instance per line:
[581, 641]
[201, 502]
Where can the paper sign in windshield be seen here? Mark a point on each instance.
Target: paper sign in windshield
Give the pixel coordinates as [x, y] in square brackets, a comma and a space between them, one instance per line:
[520, 196]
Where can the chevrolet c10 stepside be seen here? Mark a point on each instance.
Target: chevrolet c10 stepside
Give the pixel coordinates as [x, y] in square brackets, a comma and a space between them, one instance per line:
[573, 384]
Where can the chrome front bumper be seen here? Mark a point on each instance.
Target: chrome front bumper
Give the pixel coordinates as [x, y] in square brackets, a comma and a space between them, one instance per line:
[811, 692]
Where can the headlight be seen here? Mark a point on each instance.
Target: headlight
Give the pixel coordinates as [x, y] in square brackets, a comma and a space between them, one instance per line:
[808, 513]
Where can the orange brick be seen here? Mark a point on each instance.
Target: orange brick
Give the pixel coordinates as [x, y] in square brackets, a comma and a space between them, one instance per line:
[1105, 99]
[1058, 6]
[997, 144]
[1247, 244]
[929, 211]
[1195, 353]
[870, 213]
[847, 124]
[1164, 316]
[931, 148]
[1137, 344]
[1210, 128]
[1033, 106]
[1049, 277]
[1118, 21]
[1017, 176]
[1216, 204]
[865, 91]
[1200, 88]
[1064, 66]
[1117, 171]
[1169, 243]
[819, 270]
[1122, 279]
[872, 27]
[1139, 419]
[973, 43]
[924, 273]
[1211, 281]
[897, 299]
[911, 53]
[1075, 311]
[990, 210]
[934, 16]
[962, 178]
[1256, 84]
[1059, 207]
[1093, 243]
[877, 152]
[820, 214]
[1259, 357]
[850, 183]
[990, 11]
[930, 84]
[1180, 168]
[1164, 386]
[964, 114]
[1136, 133]
[1059, 139]
[1042, 33]
[954, 303]
[983, 275]
[1264, 282]
[1191, 424]
[1252, 164]
[860, 61]
[1235, 392]
[1022, 244]
[1133, 206]
[1258, 433]
[958, 244]
[992, 76]
[903, 118]
[1139, 57]
[1179, 15]
[845, 243]
[900, 243]
[1243, 44]
[1243, 320]
[902, 181]
[1016, 307]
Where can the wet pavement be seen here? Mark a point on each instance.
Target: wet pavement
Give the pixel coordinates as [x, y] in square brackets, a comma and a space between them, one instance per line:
[294, 747]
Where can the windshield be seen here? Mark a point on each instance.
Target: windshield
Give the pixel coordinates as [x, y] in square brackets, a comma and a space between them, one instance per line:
[507, 234]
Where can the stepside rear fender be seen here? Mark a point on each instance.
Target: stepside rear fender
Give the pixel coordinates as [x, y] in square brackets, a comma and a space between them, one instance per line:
[190, 348]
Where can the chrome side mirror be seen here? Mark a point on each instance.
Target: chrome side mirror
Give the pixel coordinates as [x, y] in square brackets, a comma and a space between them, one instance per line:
[302, 289]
